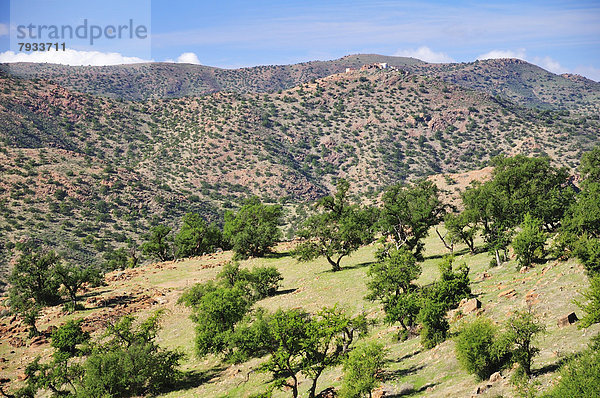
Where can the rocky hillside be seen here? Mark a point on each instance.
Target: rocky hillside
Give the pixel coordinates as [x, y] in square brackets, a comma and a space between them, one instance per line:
[518, 81]
[77, 166]
[164, 80]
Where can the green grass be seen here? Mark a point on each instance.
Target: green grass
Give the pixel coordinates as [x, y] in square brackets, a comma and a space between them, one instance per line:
[312, 285]
[434, 372]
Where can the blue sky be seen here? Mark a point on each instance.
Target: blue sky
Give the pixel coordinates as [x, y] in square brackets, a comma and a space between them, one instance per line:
[561, 36]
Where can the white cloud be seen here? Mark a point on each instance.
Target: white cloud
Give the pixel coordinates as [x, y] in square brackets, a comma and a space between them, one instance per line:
[495, 54]
[549, 64]
[425, 54]
[187, 58]
[70, 57]
[3, 29]
[588, 71]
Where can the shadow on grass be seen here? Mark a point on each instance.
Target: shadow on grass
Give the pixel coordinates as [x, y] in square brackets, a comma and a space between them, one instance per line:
[412, 391]
[440, 256]
[396, 374]
[284, 291]
[552, 367]
[349, 267]
[405, 357]
[93, 294]
[277, 255]
[194, 378]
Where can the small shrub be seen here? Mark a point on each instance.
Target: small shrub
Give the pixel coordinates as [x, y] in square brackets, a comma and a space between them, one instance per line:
[580, 377]
[361, 368]
[432, 317]
[265, 281]
[479, 349]
[529, 242]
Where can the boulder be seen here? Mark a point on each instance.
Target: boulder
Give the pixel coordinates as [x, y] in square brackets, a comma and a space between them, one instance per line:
[508, 293]
[567, 320]
[471, 306]
[495, 377]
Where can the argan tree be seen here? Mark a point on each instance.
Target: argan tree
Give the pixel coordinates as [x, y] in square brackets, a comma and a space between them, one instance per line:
[337, 230]
[34, 285]
[408, 212]
[254, 229]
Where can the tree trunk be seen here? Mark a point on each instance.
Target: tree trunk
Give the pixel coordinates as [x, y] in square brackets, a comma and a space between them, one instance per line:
[471, 245]
[313, 388]
[448, 246]
[498, 263]
[295, 387]
[335, 266]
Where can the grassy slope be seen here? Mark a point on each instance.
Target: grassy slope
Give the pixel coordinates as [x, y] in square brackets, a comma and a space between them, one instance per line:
[311, 285]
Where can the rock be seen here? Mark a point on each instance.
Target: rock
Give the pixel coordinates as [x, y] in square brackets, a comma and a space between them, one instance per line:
[567, 320]
[495, 377]
[39, 340]
[523, 270]
[484, 276]
[391, 391]
[22, 377]
[508, 293]
[471, 306]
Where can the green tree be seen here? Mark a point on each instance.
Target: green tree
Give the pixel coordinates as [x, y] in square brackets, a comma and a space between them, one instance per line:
[159, 243]
[391, 283]
[519, 185]
[253, 230]
[330, 333]
[492, 208]
[34, 285]
[589, 166]
[480, 350]
[129, 362]
[529, 242]
[298, 342]
[336, 231]
[452, 286]
[196, 237]
[522, 329]
[361, 369]
[581, 227]
[432, 317]
[73, 277]
[591, 305]
[216, 310]
[408, 212]
[462, 227]
[62, 375]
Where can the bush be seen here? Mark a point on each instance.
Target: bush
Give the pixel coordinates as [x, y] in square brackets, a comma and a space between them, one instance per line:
[265, 281]
[580, 377]
[253, 230]
[529, 242]
[480, 350]
[130, 363]
[361, 368]
[453, 286]
[261, 281]
[432, 317]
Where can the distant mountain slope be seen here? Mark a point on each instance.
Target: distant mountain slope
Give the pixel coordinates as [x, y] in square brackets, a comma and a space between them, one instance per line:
[167, 80]
[84, 173]
[519, 81]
